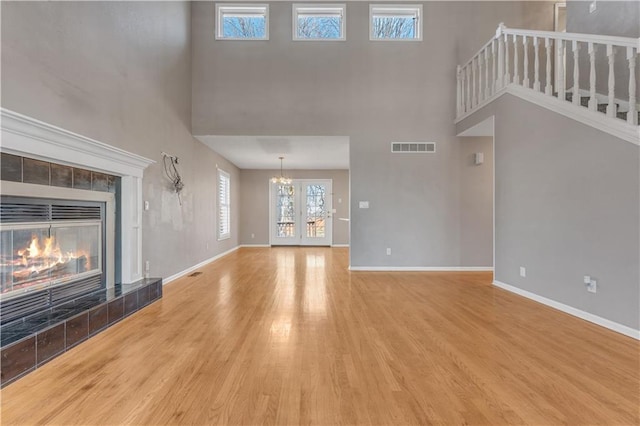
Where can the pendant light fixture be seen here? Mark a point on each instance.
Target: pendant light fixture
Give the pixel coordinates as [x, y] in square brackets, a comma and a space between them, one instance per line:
[281, 179]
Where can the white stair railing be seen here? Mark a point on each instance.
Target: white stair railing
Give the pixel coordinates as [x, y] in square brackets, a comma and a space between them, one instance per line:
[497, 65]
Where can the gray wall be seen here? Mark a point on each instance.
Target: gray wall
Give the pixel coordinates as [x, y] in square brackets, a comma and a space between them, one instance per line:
[614, 18]
[373, 92]
[254, 202]
[120, 72]
[567, 205]
[476, 202]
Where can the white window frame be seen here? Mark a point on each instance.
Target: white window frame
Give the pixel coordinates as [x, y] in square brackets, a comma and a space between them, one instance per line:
[248, 8]
[399, 9]
[318, 8]
[223, 204]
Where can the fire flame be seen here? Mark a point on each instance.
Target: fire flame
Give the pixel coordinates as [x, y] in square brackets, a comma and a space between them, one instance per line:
[43, 256]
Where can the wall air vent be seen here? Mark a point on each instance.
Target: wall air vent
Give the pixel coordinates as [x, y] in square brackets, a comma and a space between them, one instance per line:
[413, 147]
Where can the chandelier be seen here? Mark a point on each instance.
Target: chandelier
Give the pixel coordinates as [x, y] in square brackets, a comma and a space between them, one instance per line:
[281, 179]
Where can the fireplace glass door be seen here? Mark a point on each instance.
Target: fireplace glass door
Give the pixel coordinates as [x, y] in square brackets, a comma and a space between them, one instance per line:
[35, 256]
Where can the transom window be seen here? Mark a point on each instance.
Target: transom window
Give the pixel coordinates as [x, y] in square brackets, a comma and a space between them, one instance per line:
[224, 205]
[242, 21]
[395, 22]
[319, 22]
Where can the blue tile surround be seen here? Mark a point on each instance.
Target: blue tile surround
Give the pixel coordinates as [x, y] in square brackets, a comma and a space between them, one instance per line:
[35, 340]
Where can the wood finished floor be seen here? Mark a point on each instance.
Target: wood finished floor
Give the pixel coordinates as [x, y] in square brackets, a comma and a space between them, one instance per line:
[289, 336]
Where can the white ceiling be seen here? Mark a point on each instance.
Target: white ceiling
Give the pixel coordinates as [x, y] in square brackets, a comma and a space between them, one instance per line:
[299, 152]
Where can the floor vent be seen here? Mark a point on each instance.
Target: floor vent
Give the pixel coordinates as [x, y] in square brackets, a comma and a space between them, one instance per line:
[195, 274]
[413, 147]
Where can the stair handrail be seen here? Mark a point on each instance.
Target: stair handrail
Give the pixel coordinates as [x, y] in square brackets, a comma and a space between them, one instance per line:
[475, 87]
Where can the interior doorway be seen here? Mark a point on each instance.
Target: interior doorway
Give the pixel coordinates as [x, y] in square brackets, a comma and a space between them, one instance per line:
[301, 213]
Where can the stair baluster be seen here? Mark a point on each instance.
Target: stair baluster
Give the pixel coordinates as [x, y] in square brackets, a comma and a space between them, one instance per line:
[468, 77]
[516, 75]
[507, 75]
[561, 70]
[499, 82]
[536, 65]
[480, 81]
[632, 115]
[611, 107]
[576, 74]
[593, 101]
[487, 89]
[548, 89]
[458, 92]
[525, 59]
[494, 59]
[474, 93]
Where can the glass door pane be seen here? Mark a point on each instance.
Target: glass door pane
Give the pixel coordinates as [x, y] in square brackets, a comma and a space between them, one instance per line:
[316, 210]
[285, 211]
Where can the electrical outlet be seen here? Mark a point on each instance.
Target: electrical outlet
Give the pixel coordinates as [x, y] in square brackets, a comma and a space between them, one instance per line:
[207, 246]
[146, 205]
[523, 271]
[253, 236]
[592, 287]
[388, 251]
[592, 6]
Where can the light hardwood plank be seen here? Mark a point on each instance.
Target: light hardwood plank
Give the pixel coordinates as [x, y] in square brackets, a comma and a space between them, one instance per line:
[290, 336]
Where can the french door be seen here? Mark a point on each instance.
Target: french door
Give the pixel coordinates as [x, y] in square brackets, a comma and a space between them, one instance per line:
[300, 213]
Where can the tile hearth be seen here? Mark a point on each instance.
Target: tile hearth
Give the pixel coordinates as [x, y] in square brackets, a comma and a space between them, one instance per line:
[30, 342]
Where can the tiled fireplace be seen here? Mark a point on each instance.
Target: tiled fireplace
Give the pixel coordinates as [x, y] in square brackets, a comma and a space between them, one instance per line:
[70, 241]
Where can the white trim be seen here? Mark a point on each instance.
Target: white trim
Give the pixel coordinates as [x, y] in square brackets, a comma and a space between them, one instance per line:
[262, 8]
[339, 245]
[22, 135]
[603, 322]
[254, 246]
[422, 268]
[616, 127]
[408, 7]
[319, 6]
[28, 137]
[199, 265]
[594, 38]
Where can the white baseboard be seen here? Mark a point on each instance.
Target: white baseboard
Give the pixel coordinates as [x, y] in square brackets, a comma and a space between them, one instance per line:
[603, 322]
[199, 265]
[253, 245]
[422, 268]
[340, 245]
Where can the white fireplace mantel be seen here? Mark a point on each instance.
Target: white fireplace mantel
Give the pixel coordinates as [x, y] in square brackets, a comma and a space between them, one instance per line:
[28, 137]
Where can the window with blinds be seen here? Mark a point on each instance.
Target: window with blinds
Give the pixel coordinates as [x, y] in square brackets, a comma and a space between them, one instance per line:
[319, 21]
[224, 205]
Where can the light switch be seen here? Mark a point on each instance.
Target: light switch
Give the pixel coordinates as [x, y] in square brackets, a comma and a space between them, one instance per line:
[146, 205]
[364, 204]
